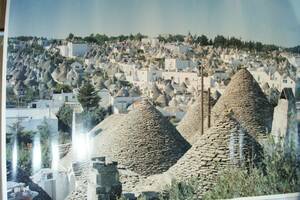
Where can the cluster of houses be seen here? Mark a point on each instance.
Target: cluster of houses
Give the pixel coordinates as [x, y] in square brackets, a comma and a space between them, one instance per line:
[167, 73]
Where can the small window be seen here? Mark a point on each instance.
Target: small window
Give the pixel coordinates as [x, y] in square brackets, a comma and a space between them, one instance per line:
[49, 176]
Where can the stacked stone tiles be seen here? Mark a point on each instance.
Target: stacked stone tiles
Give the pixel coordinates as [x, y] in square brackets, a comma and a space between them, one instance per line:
[191, 122]
[224, 145]
[244, 97]
[143, 141]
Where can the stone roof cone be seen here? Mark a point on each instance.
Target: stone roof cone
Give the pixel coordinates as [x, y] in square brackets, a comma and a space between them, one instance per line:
[244, 97]
[143, 140]
[191, 122]
[226, 143]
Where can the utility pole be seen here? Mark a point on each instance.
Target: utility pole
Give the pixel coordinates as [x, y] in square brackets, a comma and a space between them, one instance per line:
[209, 109]
[202, 99]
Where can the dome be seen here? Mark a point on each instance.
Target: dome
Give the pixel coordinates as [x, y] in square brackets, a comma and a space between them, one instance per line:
[244, 97]
[191, 122]
[143, 140]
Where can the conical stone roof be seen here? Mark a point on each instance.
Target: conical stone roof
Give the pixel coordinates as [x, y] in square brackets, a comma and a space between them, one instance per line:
[162, 100]
[244, 97]
[155, 92]
[143, 141]
[224, 145]
[191, 122]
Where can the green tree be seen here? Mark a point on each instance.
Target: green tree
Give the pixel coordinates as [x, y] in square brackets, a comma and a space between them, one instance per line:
[220, 41]
[70, 37]
[62, 87]
[91, 118]
[88, 97]
[64, 116]
[202, 40]
[46, 138]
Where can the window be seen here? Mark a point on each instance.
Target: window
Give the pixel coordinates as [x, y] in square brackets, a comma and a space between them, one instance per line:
[49, 176]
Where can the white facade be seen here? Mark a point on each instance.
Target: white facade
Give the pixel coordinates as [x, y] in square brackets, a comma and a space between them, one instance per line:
[191, 79]
[146, 75]
[152, 41]
[31, 118]
[275, 80]
[120, 104]
[284, 127]
[55, 183]
[77, 49]
[64, 50]
[106, 98]
[178, 49]
[72, 50]
[294, 60]
[175, 64]
[64, 97]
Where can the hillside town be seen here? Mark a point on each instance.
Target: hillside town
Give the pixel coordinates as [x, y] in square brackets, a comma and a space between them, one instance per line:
[126, 116]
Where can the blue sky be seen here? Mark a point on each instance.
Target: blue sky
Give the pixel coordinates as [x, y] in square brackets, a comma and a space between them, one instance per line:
[269, 21]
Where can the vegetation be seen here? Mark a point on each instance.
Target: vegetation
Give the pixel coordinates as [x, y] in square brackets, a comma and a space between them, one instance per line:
[100, 39]
[24, 143]
[279, 173]
[64, 116]
[181, 191]
[88, 97]
[62, 87]
[91, 118]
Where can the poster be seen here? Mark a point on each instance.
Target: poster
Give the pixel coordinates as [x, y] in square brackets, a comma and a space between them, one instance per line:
[151, 100]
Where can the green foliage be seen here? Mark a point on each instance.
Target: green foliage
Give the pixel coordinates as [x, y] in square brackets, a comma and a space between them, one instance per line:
[24, 144]
[298, 93]
[30, 95]
[64, 115]
[181, 191]
[16, 130]
[70, 37]
[62, 87]
[88, 97]
[11, 98]
[202, 40]
[46, 138]
[280, 174]
[91, 118]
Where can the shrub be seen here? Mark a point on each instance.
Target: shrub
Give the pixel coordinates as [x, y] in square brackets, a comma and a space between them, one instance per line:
[278, 173]
[181, 190]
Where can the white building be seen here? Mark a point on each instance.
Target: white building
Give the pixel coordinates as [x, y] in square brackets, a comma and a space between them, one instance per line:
[284, 127]
[19, 191]
[275, 80]
[178, 49]
[121, 104]
[146, 75]
[72, 50]
[152, 41]
[31, 118]
[64, 97]
[64, 50]
[175, 64]
[191, 79]
[55, 183]
[106, 98]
